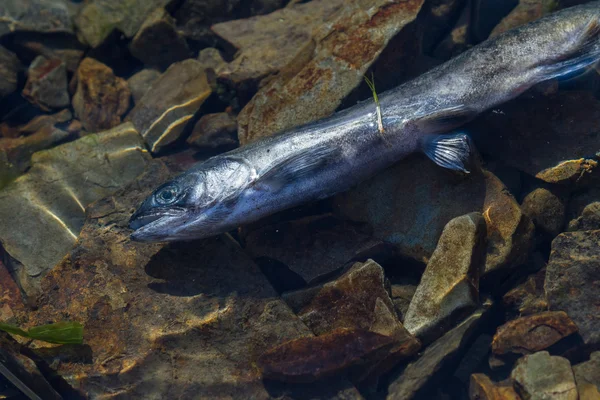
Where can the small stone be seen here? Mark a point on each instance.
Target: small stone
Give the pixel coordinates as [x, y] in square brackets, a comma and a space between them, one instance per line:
[66, 48]
[528, 297]
[526, 11]
[141, 82]
[101, 98]
[158, 43]
[482, 388]
[98, 19]
[311, 359]
[311, 247]
[540, 376]
[43, 16]
[214, 130]
[9, 70]
[587, 376]
[450, 283]
[212, 59]
[174, 98]
[573, 281]
[419, 373]
[48, 203]
[533, 333]
[583, 212]
[546, 208]
[402, 295]
[46, 84]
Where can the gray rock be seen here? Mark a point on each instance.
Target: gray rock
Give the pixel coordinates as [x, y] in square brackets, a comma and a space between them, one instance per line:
[328, 68]
[66, 48]
[583, 211]
[42, 16]
[546, 208]
[9, 69]
[48, 203]
[528, 297]
[402, 294]
[587, 376]
[212, 59]
[98, 19]
[158, 43]
[572, 277]
[450, 283]
[174, 98]
[540, 376]
[419, 373]
[141, 82]
[214, 130]
[46, 84]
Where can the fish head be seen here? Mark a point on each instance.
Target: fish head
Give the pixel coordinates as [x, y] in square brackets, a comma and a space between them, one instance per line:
[193, 205]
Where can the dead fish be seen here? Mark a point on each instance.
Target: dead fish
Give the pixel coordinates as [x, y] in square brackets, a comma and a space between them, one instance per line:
[317, 160]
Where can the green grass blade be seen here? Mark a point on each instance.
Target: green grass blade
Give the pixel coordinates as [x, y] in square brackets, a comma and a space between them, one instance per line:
[60, 332]
[15, 330]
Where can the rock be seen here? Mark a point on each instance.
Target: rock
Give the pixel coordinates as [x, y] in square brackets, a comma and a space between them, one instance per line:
[11, 300]
[158, 43]
[482, 388]
[526, 11]
[212, 59]
[533, 333]
[458, 40]
[44, 16]
[30, 45]
[214, 130]
[419, 373]
[313, 86]
[46, 84]
[528, 297]
[587, 376]
[311, 247]
[411, 213]
[540, 143]
[402, 294]
[473, 358]
[101, 98]
[546, 208]
[450, 283]
[165, 109]
[583, 212]
[437, 17]
[141, 82]
[9, 69]
[268, 43]
[48, 203]
[573, 279]
[310, 359]
[540, 376]
[40, 133]
[98, 19]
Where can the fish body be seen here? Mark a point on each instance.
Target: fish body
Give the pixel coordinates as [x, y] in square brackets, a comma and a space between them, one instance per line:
[332, 155]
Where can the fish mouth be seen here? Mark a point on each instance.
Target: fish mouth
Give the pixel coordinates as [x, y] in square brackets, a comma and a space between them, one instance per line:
[145, 225]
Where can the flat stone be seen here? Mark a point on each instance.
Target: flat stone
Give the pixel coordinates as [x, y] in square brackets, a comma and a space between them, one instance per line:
[49, 202]
[141, 82]
[101, 98]
[99, 18]
[450, 283]
[44, 16]
[528, 297]
[214, 130]
[411, 213]
[532, 333]
[46, 84]
[311, 247]
[267, 43]
[587, 376]
[419, 373]
[546, 208]
[174, 98]
[319, 79]
[158, 43]
[541, 144]
[583, 211]
[540, 376]
[483, 388]
[9, 69]
[573, 281]
[526, 11]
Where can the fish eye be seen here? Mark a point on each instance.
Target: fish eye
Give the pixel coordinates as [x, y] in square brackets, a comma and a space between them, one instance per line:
[167, 195]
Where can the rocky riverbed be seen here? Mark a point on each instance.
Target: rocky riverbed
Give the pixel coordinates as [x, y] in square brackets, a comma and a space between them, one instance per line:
[419, 283]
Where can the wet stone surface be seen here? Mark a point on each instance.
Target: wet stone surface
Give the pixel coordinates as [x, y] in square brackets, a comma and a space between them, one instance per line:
[47, 84]
[214, 130]
[9, 68]
[42, 16]
[141, 82]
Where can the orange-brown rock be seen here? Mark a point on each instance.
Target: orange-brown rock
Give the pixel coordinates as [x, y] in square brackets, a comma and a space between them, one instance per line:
[483, 388]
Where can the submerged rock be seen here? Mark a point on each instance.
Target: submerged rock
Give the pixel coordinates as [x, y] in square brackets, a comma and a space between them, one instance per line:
[587, 376]
[526, 11]
[63, 47]
[458, 39]
[583, 212]
[174, 98]
[540, 376]
[402, 295]
[572, 279]
[101, 98]
[450, 284]
[482, 388]
[546, 208]
[44, 16]
[11, 300]
[46, 84]
[314, 85]
[214, 130]
[141, 82]
[9, 69]
[48, 203]
[158, 43]
[528, 297]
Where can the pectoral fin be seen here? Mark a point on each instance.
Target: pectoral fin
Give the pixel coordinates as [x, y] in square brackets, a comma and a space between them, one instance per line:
[451, 151]
[444, 120]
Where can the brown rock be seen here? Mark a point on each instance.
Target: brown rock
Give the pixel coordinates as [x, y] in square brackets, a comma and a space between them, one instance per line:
[314, 358]
[533, 333]
[583, 212]
[482, 388]
[46, 84]
[11, 300]
[546, 208]
[63, 47]
[528, 297]
[314, 85]
[141, 82]
[214, 130]
[101, 98]
[9, 69]
[526, 11]
[587, 376]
